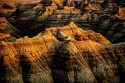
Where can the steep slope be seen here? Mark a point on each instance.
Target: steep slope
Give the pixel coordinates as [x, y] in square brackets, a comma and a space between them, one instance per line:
[84, 57]
[6, 27]
[33, 18]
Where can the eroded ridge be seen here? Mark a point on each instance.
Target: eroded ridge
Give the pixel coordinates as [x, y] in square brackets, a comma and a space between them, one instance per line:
[83, 57]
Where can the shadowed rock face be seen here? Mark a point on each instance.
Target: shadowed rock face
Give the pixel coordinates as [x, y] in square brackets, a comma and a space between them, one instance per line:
[111, 27]
[6, 27]
[85, 57]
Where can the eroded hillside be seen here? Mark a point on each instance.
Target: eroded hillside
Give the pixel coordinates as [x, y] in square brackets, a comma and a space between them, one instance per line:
[62, 41]
[107, 18]
[47, 59]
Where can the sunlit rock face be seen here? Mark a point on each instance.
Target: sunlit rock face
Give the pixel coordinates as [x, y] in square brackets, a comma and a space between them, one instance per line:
[34, 17]
[121, 13]
[84, 57]
[6, 37]
[63, 53]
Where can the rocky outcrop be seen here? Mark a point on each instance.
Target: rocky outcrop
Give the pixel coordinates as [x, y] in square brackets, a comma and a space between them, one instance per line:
[87, 14]
[121, 13]
[43, 59]
[8, 6]
[67, 54]
[6, 9]
[6, 37]
[6, 27]
[52, 8]
[33, 18]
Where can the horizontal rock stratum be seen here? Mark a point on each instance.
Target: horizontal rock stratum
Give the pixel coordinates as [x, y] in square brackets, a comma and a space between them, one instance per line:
[83, 56]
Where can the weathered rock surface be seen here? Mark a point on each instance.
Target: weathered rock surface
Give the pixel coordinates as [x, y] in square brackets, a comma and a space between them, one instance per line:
[85, 57]
[6, 9]
[33, 18]
[6, 37]
[67, 54]
[6, 27]
[112, 28]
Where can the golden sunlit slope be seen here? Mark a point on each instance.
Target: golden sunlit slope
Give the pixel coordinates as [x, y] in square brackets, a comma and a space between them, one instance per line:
[61, 55]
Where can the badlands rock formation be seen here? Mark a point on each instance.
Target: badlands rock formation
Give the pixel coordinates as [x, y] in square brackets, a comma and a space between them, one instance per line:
[30, 19]
[84, 57]
[6, 37]
[111, 27]
[6, 27]
[39, 43]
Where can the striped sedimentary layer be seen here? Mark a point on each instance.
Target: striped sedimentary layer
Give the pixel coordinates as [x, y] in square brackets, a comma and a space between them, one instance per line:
[84, 57]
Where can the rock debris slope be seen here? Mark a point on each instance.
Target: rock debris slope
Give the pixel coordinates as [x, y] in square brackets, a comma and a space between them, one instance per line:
[84, 57]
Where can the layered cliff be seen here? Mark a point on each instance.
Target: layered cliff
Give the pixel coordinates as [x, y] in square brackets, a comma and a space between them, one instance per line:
[83, 56]
[63, 53]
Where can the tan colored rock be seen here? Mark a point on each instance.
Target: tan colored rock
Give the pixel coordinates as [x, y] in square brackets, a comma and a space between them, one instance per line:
[90, 7]
[58, 2]
[44, 59]
[6, 27]
[6, 37]
[121, 13]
